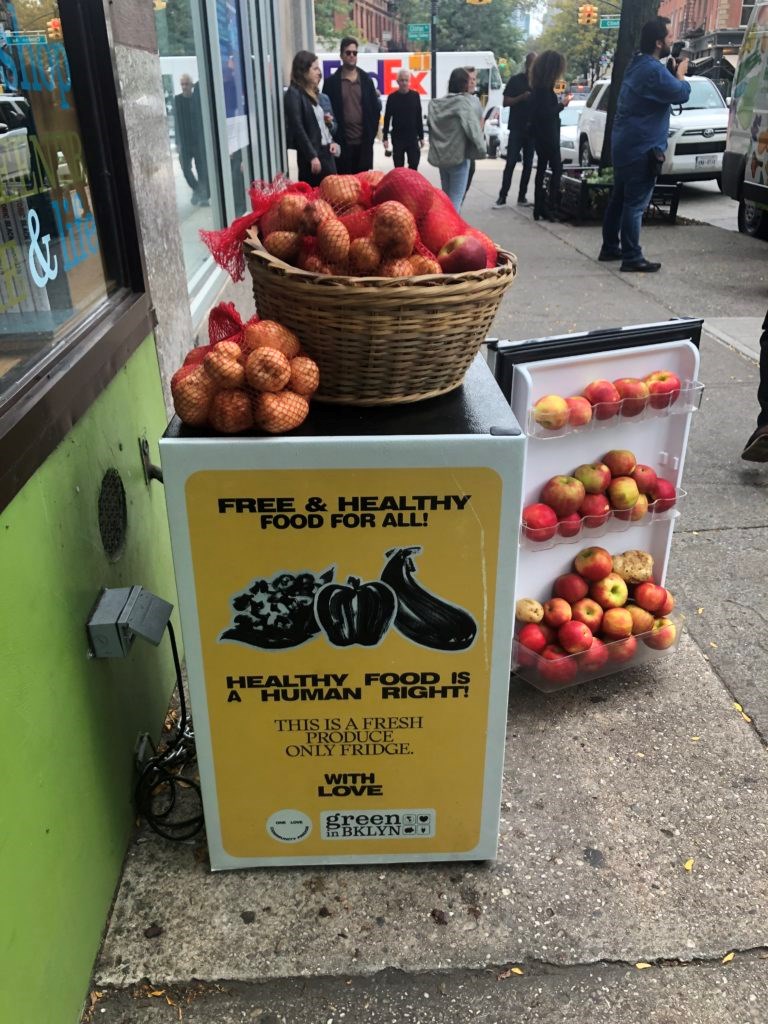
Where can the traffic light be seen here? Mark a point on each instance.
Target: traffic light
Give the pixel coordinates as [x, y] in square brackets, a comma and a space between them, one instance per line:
[159, 5]
[588, 14]
[54, 28]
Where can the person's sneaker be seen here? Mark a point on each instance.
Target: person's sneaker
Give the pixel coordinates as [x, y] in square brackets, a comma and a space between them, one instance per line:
[499, 204]
[522, 201]
[641, 267]
[756, 448]
[606, 255]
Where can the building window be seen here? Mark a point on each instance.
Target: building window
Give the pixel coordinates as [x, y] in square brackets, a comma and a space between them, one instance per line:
[188, 105]
[52, 266]
[229, 24]
[746, 13]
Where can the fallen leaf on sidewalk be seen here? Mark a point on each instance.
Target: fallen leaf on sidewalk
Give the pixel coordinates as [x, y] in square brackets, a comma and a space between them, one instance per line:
[641, 966]
[727, 958]
[712, 643]
[695, 739]
[688, 866]
[738, 707]
[158, 992]
[699, 611]
[509, 972]
[745, 716]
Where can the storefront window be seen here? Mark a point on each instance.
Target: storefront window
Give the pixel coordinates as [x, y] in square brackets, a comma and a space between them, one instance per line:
[181, 62]
[235, 102]
[52, 270]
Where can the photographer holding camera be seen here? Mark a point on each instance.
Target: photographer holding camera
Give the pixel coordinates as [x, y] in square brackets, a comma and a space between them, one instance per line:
[639, 143]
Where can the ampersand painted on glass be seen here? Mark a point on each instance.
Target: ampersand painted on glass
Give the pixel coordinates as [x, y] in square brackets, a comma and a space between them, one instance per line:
[42, 267]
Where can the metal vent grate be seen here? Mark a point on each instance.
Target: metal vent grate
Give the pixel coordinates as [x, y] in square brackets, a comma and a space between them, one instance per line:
[113, 514]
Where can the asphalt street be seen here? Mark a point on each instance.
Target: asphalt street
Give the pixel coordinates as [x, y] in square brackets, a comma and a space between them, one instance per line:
[632, 877]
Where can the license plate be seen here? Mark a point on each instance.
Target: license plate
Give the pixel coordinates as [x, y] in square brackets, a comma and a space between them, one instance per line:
[705, 160]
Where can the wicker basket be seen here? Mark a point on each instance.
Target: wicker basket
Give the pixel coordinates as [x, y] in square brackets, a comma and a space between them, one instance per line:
[381, 340]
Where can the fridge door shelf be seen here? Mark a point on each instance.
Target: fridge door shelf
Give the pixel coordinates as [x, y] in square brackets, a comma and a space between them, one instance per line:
[607, 414]
[586, 531]
[573, 669]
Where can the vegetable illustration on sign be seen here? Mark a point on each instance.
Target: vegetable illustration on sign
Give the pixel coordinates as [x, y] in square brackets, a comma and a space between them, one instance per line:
[279, 612]
[355, 612]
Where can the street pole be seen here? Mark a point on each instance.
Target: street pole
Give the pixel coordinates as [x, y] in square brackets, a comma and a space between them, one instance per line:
[433, 38]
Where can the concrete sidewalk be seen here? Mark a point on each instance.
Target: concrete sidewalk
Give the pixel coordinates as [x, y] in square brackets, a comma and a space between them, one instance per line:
[610, 788]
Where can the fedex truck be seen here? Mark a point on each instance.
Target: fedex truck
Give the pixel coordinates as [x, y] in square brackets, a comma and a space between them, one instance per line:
[383, 68]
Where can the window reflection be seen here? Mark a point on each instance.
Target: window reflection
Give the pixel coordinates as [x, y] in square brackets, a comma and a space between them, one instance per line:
[235, 101]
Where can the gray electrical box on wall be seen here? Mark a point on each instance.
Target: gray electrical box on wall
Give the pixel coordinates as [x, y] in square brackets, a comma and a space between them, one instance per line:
[120, 615]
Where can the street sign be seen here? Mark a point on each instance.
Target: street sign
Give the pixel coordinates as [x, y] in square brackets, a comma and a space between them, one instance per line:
[610, 21]
[419, 31]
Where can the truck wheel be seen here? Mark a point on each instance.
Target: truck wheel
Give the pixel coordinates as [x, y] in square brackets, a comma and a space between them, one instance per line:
[753, 220]
[585, 155]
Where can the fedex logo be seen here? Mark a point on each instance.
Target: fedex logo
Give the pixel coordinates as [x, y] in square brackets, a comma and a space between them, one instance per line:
[385, 75]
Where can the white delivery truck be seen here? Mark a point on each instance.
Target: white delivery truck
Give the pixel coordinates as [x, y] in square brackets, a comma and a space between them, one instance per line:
[745, 161]
[383, 68]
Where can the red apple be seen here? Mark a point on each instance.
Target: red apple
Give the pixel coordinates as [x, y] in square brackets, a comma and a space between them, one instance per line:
[595, 509]
[609, 592]
[570, 525]
[595, 658]
[662, 635]
[642, 620]
[551, 412]
[634, 395]
[579, 410]
[664, 388]
[650, 596]
[638, 511]
[668, 605]
[603, 397]
[539, 522]
[533, 637]
[593, 563]
[556, 666]
[589, 612]
[595, 476]
[663, 495]
[556, 612]
[622, 650]
[623, 492]
[462, 253]
[644, 477]
[571, 587]
[574, 637]
[620, 461]
[563, 493]
[617, 624]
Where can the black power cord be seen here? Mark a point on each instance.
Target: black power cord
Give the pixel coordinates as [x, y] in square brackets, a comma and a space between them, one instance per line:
[161, 780]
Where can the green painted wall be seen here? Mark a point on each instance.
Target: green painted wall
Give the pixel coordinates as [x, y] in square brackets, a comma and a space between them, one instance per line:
[68, 724]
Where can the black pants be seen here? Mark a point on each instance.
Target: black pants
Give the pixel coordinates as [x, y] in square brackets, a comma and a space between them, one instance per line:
[402, 148]
[355, 158]
[547, 155]
[327, 166]
[199, 184]
[762, 389]
[519, 142]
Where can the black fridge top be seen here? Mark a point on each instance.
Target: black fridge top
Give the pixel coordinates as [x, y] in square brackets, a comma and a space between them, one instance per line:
[477, 407]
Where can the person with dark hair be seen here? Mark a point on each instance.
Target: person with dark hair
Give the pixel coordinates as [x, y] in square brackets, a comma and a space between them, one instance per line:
[516, 96]
[455, 137]
[308, 124]
[357, 109]
[639, 142]
[403, 113]
[544, 125]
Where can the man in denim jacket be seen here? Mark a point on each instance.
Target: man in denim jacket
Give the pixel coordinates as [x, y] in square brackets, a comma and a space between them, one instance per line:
[641, 126]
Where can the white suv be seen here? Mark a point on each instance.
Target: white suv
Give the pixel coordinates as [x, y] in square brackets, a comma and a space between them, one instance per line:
[697, 131]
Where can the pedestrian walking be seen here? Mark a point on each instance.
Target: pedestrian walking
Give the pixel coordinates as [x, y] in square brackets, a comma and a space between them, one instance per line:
[455, 137]
[403, 113]
[520, 143]
[756, 448]
[190, 140]
[357, 109]
[544, 125]
[308, 124]
[639, 142]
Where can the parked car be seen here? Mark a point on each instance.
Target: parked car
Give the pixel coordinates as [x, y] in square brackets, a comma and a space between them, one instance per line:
[745, 161]
[503, 132]
[492, 116]
[569, 133]
[697, 131]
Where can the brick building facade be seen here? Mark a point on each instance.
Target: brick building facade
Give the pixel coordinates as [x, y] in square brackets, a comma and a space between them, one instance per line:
[376, 22]
[713, 31]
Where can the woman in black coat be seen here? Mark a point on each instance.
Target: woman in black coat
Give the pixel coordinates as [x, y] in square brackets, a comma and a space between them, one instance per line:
[544, 113]
[308, 126]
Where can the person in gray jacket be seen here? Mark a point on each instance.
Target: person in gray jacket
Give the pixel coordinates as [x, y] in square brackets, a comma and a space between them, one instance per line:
[455, 136]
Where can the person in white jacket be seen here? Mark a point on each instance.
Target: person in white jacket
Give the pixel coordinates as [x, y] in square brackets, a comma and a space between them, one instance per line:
[455, 136]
